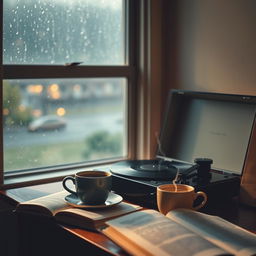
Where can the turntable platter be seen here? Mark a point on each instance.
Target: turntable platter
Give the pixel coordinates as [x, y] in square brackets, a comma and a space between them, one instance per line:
[145, 169]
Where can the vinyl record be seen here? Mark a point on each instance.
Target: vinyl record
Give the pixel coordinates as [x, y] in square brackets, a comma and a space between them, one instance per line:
[145, 169]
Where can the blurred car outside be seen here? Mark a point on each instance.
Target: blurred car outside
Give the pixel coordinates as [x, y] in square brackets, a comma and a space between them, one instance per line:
[47, 123]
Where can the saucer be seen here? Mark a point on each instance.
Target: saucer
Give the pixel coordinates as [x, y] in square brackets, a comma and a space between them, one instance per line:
[112, 199]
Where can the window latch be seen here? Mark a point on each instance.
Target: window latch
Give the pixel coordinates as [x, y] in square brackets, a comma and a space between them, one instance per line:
[73, 64]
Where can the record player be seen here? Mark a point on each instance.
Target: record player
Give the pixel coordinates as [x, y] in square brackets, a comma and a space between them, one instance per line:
[203, 143]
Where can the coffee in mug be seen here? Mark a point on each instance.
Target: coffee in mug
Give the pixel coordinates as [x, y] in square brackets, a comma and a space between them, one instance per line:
[91, 187]
[173, 196]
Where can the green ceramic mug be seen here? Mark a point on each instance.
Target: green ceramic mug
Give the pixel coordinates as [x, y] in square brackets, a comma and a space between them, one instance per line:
[91, 187]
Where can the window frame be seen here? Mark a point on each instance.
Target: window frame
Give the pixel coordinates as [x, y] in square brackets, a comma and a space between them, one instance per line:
[128, 71]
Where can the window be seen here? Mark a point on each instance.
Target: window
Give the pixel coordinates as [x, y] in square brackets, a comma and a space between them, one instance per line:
[68, 74]
[61, 121]
[64, 31]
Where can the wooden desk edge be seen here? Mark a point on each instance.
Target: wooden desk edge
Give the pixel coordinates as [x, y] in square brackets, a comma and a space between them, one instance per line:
[98, 240]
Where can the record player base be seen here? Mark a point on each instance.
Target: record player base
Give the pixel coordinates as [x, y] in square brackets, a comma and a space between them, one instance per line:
[221, 187]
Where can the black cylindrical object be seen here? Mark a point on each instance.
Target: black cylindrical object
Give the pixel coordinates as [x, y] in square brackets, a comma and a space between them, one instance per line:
[204, 167]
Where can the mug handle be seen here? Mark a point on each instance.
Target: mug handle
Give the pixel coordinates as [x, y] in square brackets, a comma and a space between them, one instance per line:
[65, 186]
[200, 193]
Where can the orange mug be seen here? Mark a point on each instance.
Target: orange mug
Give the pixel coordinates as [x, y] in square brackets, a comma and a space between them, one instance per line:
[170, 197]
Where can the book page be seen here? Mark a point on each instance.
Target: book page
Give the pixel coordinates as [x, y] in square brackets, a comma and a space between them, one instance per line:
[47, 205]
[158, 235]
[217, 230]
[94, 218]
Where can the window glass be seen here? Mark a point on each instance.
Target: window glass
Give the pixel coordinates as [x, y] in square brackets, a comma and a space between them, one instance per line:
[61, 121]
[64, 31]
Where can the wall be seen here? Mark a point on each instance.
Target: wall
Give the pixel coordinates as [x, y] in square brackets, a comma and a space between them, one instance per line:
[211, 45]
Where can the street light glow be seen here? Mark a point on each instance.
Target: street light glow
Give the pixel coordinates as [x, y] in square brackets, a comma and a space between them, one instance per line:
[61, 111]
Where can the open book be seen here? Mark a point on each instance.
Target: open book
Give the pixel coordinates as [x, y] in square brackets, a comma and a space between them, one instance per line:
[180, 232]
[54, 205]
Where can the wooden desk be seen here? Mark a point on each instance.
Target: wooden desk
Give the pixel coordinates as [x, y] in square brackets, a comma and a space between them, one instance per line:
[46, 237]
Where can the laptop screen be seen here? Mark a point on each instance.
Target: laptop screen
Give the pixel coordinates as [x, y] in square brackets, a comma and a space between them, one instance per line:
[209, 125]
